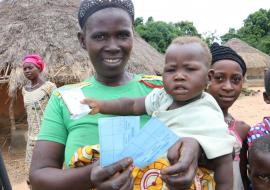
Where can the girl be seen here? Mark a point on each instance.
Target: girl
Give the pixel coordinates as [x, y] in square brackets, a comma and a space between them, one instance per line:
[226, 78]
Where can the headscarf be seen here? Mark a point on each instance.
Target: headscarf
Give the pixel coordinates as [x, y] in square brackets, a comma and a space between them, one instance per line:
[223, 52]
[89, 7]
[36, 60]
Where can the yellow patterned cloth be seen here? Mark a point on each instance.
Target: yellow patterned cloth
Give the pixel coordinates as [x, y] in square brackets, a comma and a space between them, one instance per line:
[147, 178]
[204, 180]
[85, 155]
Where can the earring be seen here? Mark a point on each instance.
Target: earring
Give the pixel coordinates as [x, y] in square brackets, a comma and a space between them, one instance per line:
[207, 86]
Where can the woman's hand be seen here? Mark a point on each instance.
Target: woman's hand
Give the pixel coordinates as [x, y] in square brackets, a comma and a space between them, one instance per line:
[114, 177]
[183, 157]
[47, 173]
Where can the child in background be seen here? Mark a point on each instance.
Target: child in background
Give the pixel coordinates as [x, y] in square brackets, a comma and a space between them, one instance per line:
[259, 160]
[256, 132]
[263, 128]
[183, 106]
[226, 77]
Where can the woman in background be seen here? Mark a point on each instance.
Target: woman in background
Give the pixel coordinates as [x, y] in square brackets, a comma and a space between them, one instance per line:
[35, 97]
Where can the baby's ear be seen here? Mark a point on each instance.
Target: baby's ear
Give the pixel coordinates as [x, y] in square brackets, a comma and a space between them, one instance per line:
[266, 98]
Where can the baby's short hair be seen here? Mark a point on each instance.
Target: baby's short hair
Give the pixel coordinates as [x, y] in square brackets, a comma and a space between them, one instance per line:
[194, 39]
[261, 144]
[267, 81]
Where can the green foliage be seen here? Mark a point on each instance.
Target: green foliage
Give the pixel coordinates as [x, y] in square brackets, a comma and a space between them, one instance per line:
[186, 28]
[231, 34]
[264, 44]
[256, 31]
[159, 34]
[138, 21]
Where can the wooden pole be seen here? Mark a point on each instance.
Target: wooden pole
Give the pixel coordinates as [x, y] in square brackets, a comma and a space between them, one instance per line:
[11, 114]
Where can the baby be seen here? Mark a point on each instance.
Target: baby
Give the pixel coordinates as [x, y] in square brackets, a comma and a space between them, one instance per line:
[183, 106]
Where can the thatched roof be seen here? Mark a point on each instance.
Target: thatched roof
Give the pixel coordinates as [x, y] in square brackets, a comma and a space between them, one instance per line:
[252, 56]
[49, 27]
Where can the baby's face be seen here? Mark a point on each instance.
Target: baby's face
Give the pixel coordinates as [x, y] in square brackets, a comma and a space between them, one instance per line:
[260, 171]
[185, 71]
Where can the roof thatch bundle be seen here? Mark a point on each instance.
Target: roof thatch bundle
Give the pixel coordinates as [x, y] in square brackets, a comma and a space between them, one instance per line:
[256, 61]
[252, 56]
[49, 28]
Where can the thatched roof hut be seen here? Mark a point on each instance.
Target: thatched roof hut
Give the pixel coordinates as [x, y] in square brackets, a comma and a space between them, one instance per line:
[49, 27]
[256, 61]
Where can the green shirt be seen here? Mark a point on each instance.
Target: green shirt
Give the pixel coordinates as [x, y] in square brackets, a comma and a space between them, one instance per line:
[57, 126]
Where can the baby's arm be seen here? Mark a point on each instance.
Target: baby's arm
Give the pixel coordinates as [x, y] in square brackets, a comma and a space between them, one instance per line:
[223, 172]
[122, 106]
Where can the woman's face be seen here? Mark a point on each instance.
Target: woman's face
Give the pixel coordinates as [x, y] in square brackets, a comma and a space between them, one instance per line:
[226, 81]
[108, 39]
[30, 71]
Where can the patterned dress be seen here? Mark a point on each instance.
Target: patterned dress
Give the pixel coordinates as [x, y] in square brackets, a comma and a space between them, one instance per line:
[259, 130]
[35, 102]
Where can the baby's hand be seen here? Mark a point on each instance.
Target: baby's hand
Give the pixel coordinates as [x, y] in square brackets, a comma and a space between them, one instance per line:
[93, 104]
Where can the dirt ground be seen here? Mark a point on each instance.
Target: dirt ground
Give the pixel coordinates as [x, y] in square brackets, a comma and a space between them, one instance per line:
[250, 109]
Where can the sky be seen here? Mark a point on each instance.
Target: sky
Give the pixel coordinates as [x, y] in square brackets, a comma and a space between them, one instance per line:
[207, 15]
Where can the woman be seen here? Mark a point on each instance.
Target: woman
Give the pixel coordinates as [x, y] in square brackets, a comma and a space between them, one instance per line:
[226, 78]
[107, 35]
[35, 96]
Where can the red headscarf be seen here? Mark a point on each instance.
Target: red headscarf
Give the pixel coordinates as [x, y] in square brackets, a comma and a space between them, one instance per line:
[36, 60]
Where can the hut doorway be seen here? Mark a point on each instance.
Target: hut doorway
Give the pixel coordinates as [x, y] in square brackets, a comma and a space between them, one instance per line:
[5, 71]
[11, 113]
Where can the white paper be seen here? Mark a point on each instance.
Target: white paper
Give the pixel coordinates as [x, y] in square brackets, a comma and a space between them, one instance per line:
[72, 98]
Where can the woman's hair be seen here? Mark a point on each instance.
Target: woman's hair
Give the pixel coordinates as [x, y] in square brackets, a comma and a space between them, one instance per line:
[193, 39]
[89, 7]
[223, 52]
[261, 144]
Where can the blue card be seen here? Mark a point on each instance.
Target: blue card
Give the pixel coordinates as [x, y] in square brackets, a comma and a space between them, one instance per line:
[114, 134]
[152, 142]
